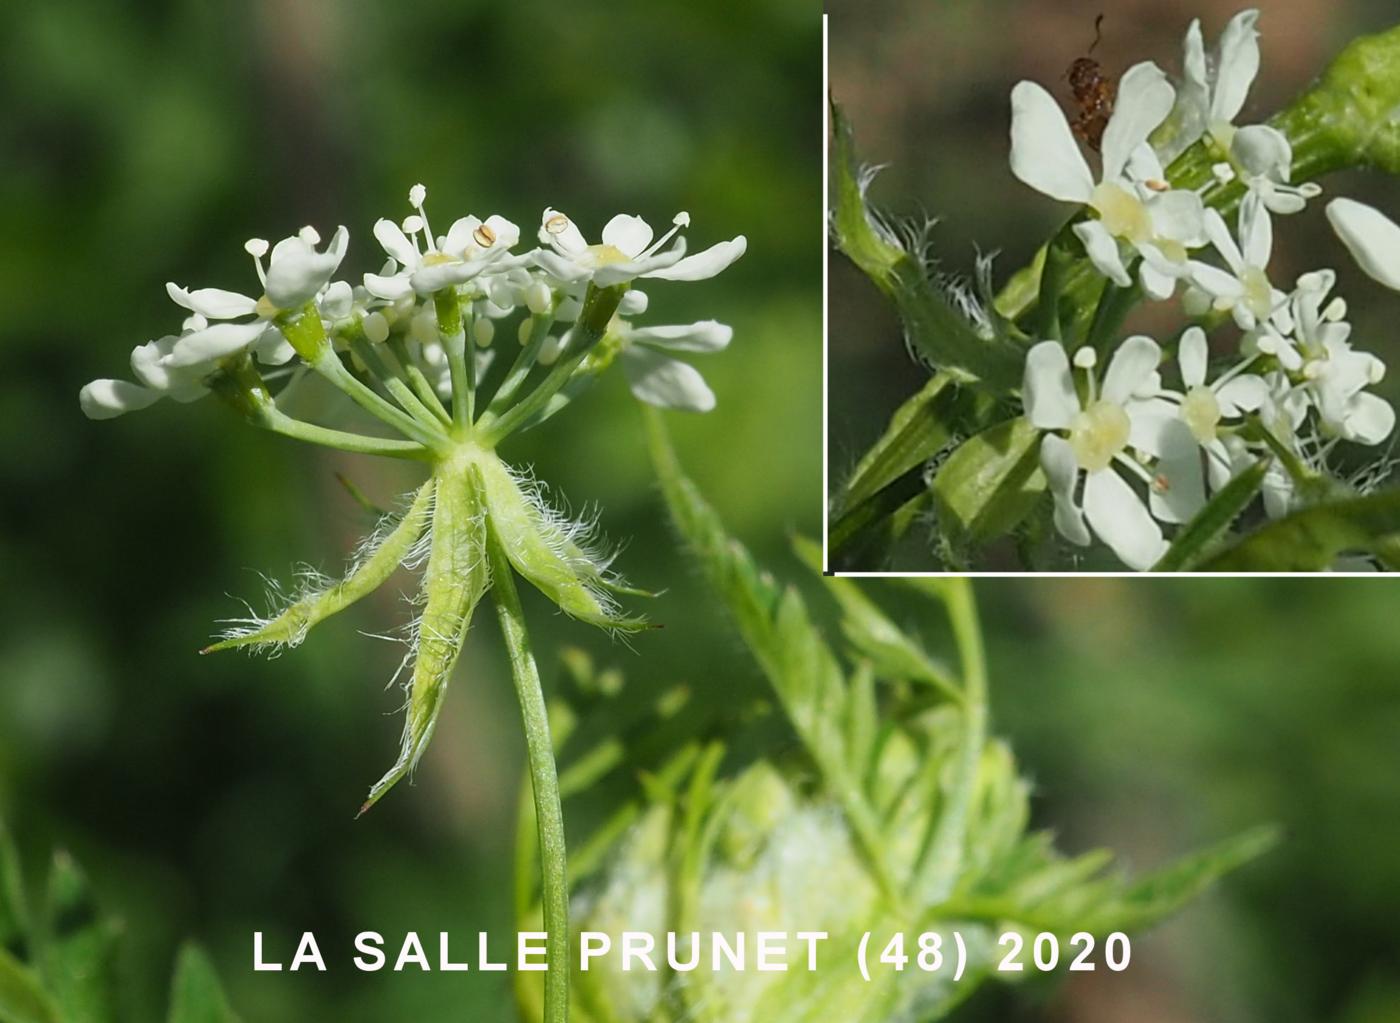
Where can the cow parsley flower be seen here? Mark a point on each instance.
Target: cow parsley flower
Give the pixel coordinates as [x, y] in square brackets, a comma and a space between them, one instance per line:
[657, 377]
[424, 264]
[627, 251]
[1243, 290]
[1114, 433]
[1132, 201]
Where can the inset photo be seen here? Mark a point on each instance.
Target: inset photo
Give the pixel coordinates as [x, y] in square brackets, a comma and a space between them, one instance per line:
[1113, 288]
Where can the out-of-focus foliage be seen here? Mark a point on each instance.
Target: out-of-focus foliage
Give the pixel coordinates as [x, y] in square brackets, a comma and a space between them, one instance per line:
[59, 959]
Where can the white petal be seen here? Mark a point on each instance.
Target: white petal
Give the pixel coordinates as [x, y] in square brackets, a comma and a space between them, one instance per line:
[628, 234]
[1263, 152]
[704, 336]
[1180, 216]
[148, 366]
[1102, 248]
[1218, 232]
[212, 343]
[272, 348]
[1132, 366]
[1238, 65]
[1156, 429]
[704, 264]
[561, 233]
[1369, 418]
[1194, 97]
[1047, 388]
[1215, 281]
[395, 242]
[432, 279]
[459, 235]
[1118, 517]
[218, 304]
[1145, 98]
[294, 279]
[107, 399]
[1062, 473]
[561, 268]
[391, 288]
[1372, 238]
[1179, 491]
[1193, 353]
[666, 382]
[1158, 285]
[1244, 393]
[1256, 232]
[1043, 152]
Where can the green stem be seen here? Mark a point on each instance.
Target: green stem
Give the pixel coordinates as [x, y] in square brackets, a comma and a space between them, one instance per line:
[540, 324]
[421, 385]
[544, 779]
[453, 333]
[328, 364]
[599, 304]
[393, 380]
[939, 871]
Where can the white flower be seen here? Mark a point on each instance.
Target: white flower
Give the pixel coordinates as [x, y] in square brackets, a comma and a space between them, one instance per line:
[426, 267]
[1212, 95]
[1372, 238]
[1213, 91]
[1332, 374]
[107, 399]
[657, 378]
[1115, 430]
[1132, 200]
[1244, 290]
[296, 273]
[627, 252]
[1203, 406]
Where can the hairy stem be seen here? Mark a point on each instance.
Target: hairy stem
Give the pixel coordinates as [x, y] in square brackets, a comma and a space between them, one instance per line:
[544, 779]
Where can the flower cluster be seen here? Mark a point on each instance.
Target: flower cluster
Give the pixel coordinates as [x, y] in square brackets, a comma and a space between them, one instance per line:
[1128, 451]
[397, 345]
[388, 324]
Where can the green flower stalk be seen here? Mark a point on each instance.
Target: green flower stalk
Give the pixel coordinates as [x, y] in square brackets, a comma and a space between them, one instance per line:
[412, 347]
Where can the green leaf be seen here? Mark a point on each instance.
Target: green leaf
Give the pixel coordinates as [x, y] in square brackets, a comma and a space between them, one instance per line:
[1212, 521]
[892, 653]
[1310, 539]
[378, 559]
[1163, 892]
[14, 911]
[991, 482]
[936, 329]
[195, 993]
[79, 961]
[21, 998]
[775, 626]
[916, 432]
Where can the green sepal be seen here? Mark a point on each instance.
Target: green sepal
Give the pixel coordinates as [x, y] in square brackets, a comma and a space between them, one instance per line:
[456, 578]
[380, 556]
[539, 547]
[22, 1000]
[991, 482]
[937, 330]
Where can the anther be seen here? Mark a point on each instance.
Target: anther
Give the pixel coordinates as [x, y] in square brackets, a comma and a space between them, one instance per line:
[484, 236]
[557, 224]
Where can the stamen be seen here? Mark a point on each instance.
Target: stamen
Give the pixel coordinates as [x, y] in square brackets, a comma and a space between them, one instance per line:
[1157, 185]
[484, 236]
[417, 195]
[557, 224]
[309, 235]
[679, 221]
[257, 248]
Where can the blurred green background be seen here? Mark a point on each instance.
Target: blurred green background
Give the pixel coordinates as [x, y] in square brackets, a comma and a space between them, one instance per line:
[927, 89]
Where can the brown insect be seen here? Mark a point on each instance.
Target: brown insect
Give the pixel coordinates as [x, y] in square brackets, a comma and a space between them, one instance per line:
[1094, 91]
